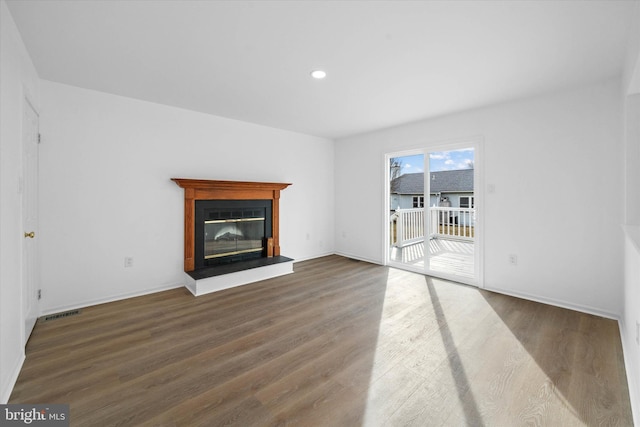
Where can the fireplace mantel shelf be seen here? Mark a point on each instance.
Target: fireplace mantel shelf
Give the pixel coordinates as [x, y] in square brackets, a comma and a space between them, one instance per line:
[216, 185]
[202, 189]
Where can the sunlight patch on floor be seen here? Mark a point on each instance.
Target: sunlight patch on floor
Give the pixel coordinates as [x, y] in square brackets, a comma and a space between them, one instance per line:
[417, 373]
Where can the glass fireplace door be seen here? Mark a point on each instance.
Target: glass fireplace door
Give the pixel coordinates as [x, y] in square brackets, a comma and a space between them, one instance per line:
[226, 237]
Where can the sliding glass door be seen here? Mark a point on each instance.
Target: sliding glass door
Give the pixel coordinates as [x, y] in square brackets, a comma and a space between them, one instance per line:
[432, 220]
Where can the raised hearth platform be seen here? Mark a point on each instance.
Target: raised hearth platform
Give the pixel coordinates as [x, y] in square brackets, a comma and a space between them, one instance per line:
[212, 279]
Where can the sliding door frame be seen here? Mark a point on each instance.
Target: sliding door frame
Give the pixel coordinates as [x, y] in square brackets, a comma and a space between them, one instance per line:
[477, 143]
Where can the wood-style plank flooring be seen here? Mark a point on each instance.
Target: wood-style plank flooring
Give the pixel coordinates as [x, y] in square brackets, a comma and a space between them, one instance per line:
[337, 343]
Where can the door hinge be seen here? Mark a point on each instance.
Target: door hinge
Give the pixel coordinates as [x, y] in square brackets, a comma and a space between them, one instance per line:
[39, 293]
[39, 138]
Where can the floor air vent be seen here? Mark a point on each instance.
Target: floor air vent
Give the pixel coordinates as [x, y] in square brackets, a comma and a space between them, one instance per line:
[59, 315]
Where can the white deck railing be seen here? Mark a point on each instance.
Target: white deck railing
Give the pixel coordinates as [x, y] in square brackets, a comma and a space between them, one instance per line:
[407, 226]
[456, 223]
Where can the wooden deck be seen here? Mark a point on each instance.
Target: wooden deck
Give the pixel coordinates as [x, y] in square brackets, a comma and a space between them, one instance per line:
[454, 257]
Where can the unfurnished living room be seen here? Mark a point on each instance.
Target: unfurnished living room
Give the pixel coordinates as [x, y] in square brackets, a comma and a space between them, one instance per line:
[198, 224]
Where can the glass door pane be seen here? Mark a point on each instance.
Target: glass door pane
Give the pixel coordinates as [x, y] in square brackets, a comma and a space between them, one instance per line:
[451, 217]
[407, 201]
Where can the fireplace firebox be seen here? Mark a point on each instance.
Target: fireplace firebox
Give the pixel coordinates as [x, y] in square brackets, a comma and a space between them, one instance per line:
[228, 231]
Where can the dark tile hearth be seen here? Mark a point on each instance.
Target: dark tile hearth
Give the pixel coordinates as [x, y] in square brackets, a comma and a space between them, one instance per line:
[219, 270]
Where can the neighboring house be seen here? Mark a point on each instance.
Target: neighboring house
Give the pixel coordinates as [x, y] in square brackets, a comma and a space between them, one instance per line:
[454, 187]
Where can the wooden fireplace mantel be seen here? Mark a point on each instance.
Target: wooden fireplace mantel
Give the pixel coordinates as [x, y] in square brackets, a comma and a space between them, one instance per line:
[202, 189]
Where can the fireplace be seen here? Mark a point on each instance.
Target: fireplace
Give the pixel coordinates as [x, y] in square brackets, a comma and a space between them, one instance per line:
[229, 222]
[228, 231]
[231, 233]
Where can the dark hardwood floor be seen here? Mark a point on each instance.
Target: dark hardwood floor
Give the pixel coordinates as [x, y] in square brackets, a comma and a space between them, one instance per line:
[337, 343]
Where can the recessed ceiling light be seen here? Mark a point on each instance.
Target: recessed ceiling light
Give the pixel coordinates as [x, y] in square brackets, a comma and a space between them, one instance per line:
[318, 74]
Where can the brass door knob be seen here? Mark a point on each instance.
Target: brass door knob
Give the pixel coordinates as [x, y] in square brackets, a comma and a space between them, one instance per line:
[31, 235]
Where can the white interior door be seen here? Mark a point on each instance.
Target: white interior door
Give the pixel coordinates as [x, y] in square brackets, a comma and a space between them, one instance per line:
[30, 275]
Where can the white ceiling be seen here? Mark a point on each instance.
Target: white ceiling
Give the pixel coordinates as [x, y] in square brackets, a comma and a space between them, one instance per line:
[388, 62]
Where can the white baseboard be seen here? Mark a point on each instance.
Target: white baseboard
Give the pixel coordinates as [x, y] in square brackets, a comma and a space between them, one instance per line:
[522, 295]
[359, 258]
[7, 388]
[114, 298]
[557, 303]
[307, 258]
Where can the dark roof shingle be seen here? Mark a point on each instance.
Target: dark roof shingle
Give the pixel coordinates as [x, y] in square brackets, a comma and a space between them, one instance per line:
[441, 182]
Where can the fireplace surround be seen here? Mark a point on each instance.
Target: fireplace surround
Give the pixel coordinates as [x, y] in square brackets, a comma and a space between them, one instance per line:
[231, 227]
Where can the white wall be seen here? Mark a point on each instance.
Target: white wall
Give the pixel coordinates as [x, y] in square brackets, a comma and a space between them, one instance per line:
[106, 194]
[632, 248]
[18, 79]
[631, 102]
[556, 163]
[631, 70]
[631, 315]
[632, 158]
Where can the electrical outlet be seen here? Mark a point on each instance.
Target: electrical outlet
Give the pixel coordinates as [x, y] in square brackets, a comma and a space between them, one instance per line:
[128, 261]
[513, 259]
